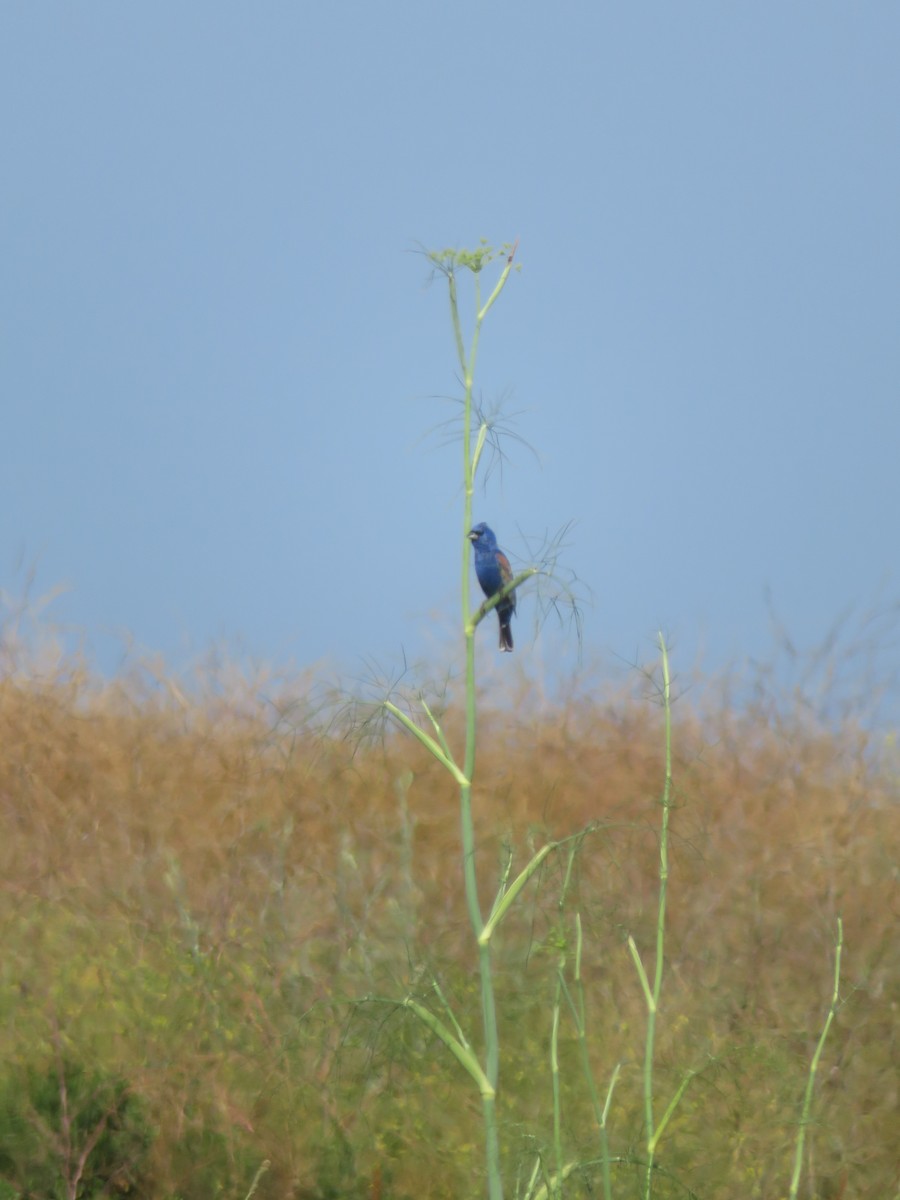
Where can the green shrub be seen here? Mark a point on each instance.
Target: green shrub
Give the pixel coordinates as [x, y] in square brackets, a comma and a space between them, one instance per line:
[67, 1133]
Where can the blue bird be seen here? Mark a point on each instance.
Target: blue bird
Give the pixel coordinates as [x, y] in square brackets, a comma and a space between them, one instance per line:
[494, 572]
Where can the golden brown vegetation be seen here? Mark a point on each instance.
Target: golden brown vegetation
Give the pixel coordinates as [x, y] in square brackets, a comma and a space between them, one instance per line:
[202, 896]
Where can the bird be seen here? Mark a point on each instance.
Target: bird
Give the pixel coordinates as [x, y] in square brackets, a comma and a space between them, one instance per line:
[494, 572]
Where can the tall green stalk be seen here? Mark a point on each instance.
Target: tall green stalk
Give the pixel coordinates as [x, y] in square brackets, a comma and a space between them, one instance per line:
[814, 1064]
[471, 457]
[484, 1074]
[652, 993]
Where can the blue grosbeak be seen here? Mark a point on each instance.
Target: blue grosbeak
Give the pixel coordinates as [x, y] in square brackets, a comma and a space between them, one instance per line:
[494, 572]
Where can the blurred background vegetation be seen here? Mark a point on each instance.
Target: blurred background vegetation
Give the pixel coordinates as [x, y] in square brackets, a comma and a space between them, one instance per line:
[204, 887]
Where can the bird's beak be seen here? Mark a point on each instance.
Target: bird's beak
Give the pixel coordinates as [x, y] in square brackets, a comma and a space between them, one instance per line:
[472, 535]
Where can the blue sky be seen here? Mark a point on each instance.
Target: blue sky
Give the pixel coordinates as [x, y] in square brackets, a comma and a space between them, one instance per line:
[219, 354]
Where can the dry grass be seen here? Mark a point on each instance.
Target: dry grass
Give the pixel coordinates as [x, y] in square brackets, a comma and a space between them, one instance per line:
[196, 892]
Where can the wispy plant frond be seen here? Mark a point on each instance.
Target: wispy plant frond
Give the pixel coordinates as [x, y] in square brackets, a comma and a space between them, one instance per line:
[493, 422]
[559, 592]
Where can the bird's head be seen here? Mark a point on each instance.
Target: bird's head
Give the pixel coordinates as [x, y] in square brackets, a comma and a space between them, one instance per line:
[481, 534]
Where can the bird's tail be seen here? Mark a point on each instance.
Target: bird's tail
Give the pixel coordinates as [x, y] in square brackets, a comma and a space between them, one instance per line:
[506, 642]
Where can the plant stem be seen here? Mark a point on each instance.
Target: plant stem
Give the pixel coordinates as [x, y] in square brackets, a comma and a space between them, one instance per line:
[488, 1005]
[654, 994]
[814, 1064]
